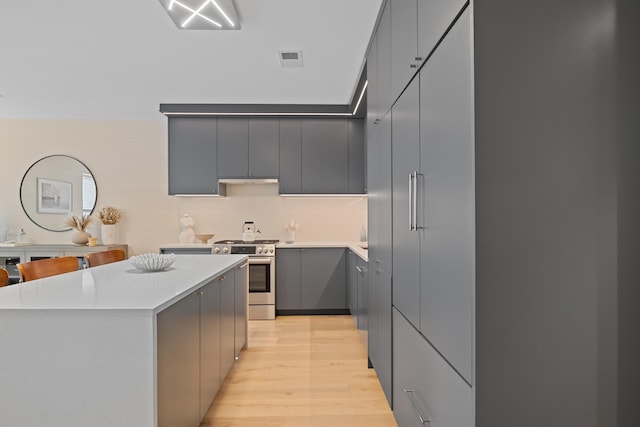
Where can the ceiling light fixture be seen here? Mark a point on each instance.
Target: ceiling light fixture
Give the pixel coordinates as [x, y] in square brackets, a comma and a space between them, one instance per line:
[202, 14]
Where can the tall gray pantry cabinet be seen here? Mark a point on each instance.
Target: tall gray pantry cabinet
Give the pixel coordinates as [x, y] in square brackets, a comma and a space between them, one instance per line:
[511, 197]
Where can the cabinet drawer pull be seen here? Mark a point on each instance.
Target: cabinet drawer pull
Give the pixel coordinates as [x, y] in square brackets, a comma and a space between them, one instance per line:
[359, 269]
[423, 420]
[243, 266]
[413, 65]
[418, 58]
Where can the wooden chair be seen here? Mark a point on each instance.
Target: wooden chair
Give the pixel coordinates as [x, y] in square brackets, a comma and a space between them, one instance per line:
[4, 277]
[104, 257]
[33, 270]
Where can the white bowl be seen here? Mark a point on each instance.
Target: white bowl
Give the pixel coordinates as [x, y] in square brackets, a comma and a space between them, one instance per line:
[152, 262]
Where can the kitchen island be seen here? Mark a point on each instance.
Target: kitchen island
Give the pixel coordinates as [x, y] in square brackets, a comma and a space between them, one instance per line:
[114, 346]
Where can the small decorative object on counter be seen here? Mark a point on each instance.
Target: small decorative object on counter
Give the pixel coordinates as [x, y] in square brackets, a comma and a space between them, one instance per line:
[290, 231]
[152, 261]
[93, 241]
[363, 234]
[110, 217]
[80, 223]
[187, 235]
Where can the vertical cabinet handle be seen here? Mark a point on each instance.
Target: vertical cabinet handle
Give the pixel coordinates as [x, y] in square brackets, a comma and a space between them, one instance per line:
[423, 420]
[410, 202]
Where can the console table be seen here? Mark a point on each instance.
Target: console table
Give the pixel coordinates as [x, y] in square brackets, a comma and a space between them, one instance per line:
[10, 256]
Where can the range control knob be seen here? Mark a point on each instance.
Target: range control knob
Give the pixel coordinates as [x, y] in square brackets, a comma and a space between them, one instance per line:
[216, 250]
[260, 250]
[270, 250]
[225, 250]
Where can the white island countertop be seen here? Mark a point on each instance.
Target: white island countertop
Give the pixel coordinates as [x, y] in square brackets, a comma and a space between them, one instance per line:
[117, 286]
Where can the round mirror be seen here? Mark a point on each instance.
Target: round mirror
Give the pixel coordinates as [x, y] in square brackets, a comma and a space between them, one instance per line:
[55, 187]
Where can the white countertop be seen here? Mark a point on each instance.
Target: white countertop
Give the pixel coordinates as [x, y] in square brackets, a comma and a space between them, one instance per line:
[117, 286]
[354, 246]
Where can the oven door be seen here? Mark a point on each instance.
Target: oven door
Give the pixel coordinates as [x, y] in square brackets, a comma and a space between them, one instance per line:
[262, 280]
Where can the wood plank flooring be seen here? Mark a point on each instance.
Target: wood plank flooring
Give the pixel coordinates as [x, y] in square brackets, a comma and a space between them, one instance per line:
[301, 371]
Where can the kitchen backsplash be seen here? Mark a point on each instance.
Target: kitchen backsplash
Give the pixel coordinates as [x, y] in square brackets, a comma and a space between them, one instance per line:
[319, 218]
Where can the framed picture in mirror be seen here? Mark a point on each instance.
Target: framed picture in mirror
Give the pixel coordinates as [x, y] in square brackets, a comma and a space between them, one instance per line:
[54, 197]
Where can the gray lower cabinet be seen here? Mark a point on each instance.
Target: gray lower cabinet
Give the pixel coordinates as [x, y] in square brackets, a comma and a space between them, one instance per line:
[178, 349]
[352, 284]
[426, 390]
[311, 279]
[363, 298]
[192, 155]
[379, 328]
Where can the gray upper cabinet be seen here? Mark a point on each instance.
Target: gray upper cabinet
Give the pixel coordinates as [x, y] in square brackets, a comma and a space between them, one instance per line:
[356, 157]
[372, 78]
[325, 156]
[290, 156]
[447, 159]
[385, 98]
[404, 44]
[416, 28]
[233, 147]
[248, 148]
[192, 156]
[264, 147]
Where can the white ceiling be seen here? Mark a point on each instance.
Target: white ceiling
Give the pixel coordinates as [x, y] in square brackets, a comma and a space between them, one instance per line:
[69, 59]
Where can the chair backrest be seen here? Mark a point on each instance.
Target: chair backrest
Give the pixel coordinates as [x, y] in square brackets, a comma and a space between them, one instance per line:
[33, 270]
[104, 257]
[4, 277]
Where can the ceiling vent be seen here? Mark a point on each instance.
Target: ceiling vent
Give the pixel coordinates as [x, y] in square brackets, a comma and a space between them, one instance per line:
[290, 58]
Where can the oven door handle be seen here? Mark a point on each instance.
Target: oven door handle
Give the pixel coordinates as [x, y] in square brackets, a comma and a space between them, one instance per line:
[260, 260]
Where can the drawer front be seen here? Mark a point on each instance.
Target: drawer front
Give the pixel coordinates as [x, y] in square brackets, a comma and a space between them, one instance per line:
[424, 385]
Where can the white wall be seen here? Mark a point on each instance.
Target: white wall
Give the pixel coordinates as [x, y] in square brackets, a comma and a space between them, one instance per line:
[129, 162]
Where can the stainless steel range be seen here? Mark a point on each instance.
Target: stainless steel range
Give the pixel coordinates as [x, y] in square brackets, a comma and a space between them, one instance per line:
[262, 273]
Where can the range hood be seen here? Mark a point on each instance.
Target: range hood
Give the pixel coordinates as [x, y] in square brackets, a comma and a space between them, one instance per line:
[248, 180]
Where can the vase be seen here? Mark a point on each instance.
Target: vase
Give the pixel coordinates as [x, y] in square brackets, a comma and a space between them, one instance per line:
[109, 234]
[80, 237]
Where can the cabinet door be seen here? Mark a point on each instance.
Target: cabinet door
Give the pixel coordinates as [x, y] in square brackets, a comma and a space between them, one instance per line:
[434, 17]
[404, 44]
[356, 157]
[264, 148]
[233, 147]
[210, 379]
[372, 78]
[447, 158]
[385, 98]
[406, 161]
[192, 155]
[374, 316]
[241, 290]
[363, 298]
[384, 367]
[227, 322]
[323, 279]
[352, 285]
[424, 384]
[379, 192]
[290, 157]
[325, 156]
[288, 277]
[178, 357]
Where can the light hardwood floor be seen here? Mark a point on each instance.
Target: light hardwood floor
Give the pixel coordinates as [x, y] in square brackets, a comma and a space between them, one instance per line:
[301, 371]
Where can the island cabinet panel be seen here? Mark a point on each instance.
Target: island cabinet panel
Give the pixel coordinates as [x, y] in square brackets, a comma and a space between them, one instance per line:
[178, 353]
[227, 321]
[241, 290]
[210, 337]
[311, 279]
[192, 155]
[290, 156]
[352, 284]
[325, 156]
[363, 298]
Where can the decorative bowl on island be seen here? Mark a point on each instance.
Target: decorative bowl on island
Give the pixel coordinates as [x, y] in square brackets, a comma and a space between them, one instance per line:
[152, 261]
